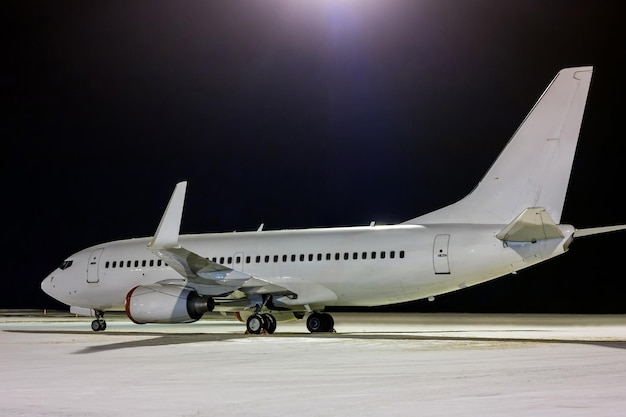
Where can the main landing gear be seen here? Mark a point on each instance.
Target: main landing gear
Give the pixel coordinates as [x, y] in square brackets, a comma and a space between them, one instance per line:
[266, 323]
[320, 323]
[258, 323]
[99, 325]
[261, 322]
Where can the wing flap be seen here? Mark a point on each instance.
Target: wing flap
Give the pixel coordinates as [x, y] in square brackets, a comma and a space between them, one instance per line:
[306, 294]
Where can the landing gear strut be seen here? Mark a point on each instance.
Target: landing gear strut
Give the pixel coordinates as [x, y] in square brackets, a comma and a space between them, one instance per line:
[99, 325]
[320, 323]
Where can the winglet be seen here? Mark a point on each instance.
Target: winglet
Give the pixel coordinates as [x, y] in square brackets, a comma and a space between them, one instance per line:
[166, 235]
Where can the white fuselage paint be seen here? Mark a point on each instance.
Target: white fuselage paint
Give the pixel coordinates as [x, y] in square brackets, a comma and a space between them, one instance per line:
[473, 255]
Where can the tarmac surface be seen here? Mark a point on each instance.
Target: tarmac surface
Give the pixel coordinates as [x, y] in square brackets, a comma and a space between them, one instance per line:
[375, 364]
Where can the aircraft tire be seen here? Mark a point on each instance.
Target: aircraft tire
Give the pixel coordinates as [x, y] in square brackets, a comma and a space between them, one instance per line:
[98, 325]
[269, 323]
[320, 323]
[330, 323]
[255, 324]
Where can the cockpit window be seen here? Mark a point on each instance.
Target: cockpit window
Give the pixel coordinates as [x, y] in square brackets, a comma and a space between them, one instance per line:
[66, 264]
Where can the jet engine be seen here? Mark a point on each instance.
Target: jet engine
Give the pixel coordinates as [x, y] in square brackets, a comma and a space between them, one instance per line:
[158, 303]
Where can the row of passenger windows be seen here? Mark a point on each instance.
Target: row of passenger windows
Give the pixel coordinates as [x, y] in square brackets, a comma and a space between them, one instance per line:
[337, 256]
[129, 264]
[311, 257]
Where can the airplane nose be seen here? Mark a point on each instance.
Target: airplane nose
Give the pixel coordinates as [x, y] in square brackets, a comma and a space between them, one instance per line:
[47, 285]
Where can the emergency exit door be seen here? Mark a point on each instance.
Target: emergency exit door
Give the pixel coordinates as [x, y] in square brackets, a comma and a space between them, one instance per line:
[440, 254]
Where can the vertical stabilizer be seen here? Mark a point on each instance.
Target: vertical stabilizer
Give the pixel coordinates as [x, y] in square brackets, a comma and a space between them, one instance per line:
[534, 168]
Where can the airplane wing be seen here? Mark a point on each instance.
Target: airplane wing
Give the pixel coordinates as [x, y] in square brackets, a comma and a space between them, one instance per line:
[213, 279]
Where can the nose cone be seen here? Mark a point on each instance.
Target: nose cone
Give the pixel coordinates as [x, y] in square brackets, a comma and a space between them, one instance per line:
[48, 285]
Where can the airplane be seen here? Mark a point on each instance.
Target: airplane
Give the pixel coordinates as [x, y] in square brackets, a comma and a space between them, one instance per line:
[508, 222]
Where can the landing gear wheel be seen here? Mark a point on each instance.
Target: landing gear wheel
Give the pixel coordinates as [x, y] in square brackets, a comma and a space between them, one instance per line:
[98, 325]
[320, 323]
[269, 323]
[254, 324]
[330, 324]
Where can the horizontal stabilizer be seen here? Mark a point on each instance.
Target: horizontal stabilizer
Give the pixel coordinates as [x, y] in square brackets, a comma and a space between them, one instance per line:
[532, 225]
[597, 230]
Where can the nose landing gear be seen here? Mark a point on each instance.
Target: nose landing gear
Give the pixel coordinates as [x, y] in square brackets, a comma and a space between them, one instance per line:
[99, 325]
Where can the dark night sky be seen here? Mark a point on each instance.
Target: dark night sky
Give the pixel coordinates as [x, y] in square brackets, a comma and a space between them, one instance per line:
[298, 114]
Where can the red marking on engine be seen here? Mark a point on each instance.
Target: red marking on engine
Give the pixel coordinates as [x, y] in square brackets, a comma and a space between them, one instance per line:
[127, 305]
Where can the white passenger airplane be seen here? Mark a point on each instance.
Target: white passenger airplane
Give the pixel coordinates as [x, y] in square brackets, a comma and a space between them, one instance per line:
[510, 221]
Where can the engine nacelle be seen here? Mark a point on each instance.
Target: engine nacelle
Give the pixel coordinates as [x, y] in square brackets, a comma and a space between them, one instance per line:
[157, 303]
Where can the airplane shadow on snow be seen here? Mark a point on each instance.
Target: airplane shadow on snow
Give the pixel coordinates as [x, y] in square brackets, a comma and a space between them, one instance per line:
[168, 339]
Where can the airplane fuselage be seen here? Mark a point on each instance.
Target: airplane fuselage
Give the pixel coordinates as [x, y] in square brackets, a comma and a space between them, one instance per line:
[363, 266]
[508, 222]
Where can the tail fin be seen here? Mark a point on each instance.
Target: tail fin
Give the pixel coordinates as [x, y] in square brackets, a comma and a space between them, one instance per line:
[534, 168]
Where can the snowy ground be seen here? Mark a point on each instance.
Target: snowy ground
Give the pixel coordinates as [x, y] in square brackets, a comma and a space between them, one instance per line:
[375, 365]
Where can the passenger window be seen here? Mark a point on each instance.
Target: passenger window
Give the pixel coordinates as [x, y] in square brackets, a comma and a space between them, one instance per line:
[310, 257]
[328, 256]
[319, 256]
[392, 254]
[382, 254]
[364, 255]
[143, 263]
[258, 259]
[230, 260]
[238, 260]
[106, 264]
[136, 264]
[214, 259]
[284, 258]
[127, 264]
[401, 254]
[275, 258]
[355, 255]
[337, 256]
[346, 256]
[301, 257]
[293, 258]
[373, 255]
[247, 259]
[221, 260]
[267, 258]
[151, 262]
